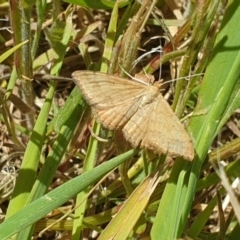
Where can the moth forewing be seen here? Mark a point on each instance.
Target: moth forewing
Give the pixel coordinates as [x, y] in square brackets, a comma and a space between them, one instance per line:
[146, 119]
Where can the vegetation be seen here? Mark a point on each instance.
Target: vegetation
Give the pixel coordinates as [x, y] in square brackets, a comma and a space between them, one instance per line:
[65, 176]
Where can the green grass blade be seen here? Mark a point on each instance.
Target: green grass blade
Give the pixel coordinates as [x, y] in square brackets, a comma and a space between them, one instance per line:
[30, 161]
[96, 4]
[6, 54]
[91, 155]
[202, 218]
[58, 150]
[124, 221]
[216, 91]
[43, 205]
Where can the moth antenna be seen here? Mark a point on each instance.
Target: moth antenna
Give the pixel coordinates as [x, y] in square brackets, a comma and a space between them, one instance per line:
[153, 50]
[187, 78]
[133, 78]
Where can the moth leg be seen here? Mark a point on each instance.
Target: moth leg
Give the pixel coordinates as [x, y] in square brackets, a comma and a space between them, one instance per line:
[97, 137]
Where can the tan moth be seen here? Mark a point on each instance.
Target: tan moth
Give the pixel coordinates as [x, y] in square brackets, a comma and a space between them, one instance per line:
[145, 117]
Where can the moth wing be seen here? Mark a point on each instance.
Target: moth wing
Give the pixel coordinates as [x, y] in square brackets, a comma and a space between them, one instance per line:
[113, 99]
[156, 127]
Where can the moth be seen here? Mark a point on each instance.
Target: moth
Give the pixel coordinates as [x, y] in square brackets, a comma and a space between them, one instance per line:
[139, 110]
